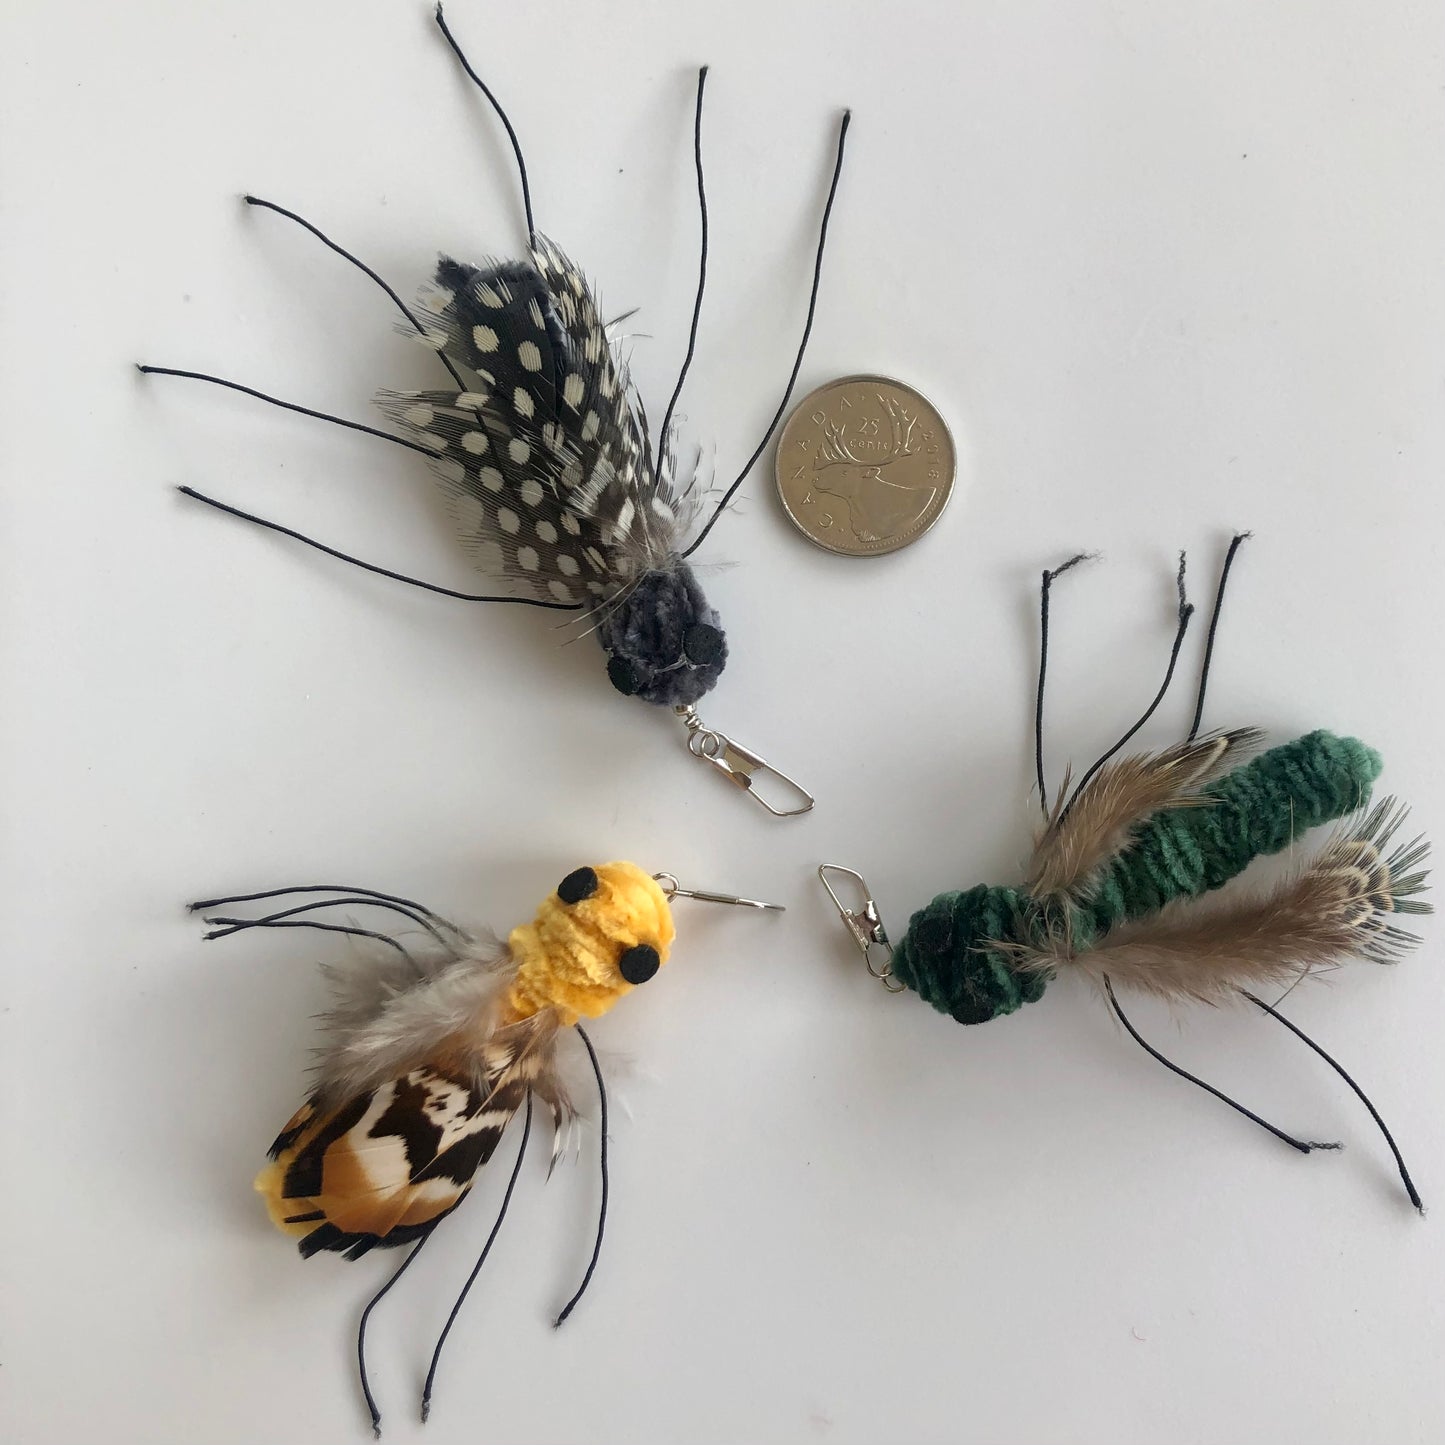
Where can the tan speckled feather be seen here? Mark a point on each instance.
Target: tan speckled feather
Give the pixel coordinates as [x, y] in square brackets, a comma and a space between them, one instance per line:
[1081, 836]
[1338, 907]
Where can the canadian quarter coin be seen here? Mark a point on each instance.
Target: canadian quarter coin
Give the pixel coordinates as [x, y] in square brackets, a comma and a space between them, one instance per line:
[865, 466]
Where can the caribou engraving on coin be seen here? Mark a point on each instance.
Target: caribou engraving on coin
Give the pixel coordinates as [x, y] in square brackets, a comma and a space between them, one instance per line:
[865, 466]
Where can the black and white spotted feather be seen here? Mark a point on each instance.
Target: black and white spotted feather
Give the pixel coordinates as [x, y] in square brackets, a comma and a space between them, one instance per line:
[548, 463]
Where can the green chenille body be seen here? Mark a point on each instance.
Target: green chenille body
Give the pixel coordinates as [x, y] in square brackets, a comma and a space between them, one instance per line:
[1258, 809]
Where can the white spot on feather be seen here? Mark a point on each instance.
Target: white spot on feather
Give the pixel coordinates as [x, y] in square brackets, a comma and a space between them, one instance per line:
[571, 525]
[530, 491]
[487, 296]
[509, 521]
[522, 401]
[519, 451]
[419, 415]
[546, 531]
[484, 338]
[560, 590]
[572, 390]
[490, 478]
[589, 426]
[529, 356]
[527, 558]
[384, 1164]
[536, 312]
[567, 564]
[475, 442]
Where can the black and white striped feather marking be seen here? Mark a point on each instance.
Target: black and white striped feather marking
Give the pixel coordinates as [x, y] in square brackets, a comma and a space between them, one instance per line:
[547, 458]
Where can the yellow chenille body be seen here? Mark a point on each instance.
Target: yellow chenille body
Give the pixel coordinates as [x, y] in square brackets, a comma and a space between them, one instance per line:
[566, 958]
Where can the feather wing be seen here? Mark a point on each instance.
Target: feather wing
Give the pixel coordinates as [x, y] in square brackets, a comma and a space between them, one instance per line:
[1081, 836]
[547, 460]
[423, 1068]
[1341, 905]
[388, 1164]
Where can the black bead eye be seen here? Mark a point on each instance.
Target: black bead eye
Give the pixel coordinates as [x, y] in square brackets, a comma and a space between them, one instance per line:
[639, 963]
[622, 674]
[580, 883]
[702, 644]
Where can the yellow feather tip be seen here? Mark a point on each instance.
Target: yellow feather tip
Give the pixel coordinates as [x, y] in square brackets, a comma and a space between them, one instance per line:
[268, 1185]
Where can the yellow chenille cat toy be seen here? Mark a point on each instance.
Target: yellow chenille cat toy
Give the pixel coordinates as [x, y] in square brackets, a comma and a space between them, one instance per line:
[430, 1053]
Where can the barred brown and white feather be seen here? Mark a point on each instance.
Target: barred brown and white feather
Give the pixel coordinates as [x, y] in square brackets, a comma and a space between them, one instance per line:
[423, 1067]
[1080, 837]
[547, 459]
[386, 1165]
[1340, 906]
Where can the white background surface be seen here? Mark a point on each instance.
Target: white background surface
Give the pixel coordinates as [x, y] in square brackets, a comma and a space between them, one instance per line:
[1169, 270]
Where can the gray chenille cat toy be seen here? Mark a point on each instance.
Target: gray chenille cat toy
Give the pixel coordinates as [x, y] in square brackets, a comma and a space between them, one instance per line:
[543, 447]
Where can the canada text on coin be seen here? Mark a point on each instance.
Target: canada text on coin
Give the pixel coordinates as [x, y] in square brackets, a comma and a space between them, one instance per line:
[865, 466]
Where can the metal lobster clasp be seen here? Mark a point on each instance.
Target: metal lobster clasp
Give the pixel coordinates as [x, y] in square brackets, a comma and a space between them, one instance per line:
[865, 923]
[743, 768]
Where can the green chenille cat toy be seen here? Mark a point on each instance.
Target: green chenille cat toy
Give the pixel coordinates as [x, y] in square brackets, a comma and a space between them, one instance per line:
[1121, 885]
